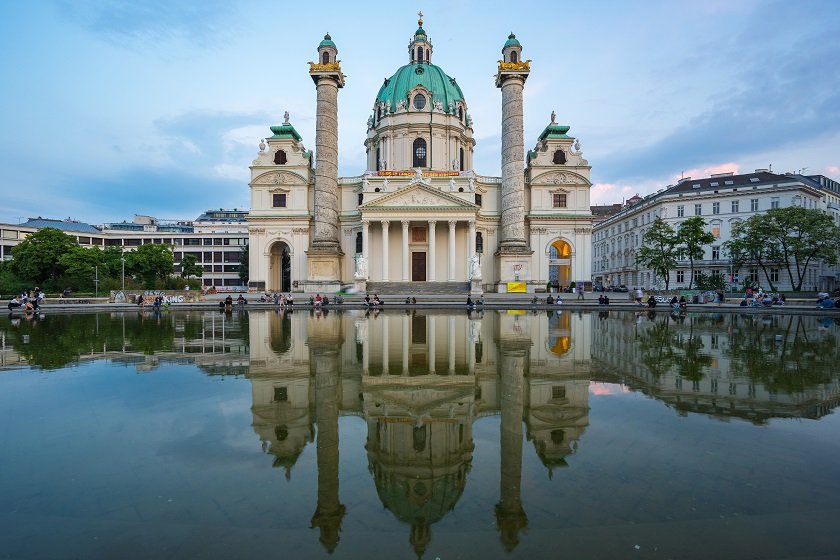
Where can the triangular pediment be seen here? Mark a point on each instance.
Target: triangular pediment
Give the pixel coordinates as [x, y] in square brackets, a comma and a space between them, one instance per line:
[420, 196]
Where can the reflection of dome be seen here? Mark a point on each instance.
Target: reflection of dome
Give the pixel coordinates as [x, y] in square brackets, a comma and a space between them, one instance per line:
[431, 77]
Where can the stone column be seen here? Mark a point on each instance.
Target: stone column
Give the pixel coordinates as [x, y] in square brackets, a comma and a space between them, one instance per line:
[365, 244]
[432, 255]
[385, 225]
[405, 250]
[514, 252]
[324, 255]
[470, 244]
[451, 264]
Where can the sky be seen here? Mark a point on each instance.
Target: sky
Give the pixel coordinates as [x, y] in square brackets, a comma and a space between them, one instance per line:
[111, 109]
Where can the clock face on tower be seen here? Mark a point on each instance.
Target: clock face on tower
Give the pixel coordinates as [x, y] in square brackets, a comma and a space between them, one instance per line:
[419, 101]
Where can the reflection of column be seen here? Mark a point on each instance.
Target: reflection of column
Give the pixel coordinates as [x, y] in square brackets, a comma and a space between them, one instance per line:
[471, 340]
[405, 344]
[510, 517]
[450, 331]
[323, 355]
[366, 348]
[432, 255]
[430, 336]
[451, 269]
[405, 250]
[385, 344]
[385, 225]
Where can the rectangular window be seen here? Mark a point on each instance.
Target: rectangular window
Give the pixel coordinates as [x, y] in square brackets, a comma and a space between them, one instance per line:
[698, 209]
[753, 205]
[697, 275]
[680, 211]
[208, 257]
[753, 275]
[680, 276]
[278, 200]
[715, 252]
[734, 206]
[477, 199]
[716, 208]
[559, 200]
[558, 392]
[774, 274]
[281, 394]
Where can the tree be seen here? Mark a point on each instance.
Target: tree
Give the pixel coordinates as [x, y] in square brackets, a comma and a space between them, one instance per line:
[151, 262]
[691, 238]
[659, 250]
[38, 257]
[748, 244]
[80, 266]
[190, 268]
[792, 238]
[243, 265]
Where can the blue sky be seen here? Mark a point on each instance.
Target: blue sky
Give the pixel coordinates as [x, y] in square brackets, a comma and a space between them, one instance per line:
[157, 107]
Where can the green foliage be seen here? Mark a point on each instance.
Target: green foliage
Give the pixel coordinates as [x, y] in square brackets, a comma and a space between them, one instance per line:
[190, 268]
[80, 267]
[792, 238]
[691, 238]
[243, 265]
[150, 263]
[10, 283]
[712, 283]
[659, 250]
[38, 257]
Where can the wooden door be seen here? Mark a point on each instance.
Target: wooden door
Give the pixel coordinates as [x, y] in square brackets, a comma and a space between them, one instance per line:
[418, 266]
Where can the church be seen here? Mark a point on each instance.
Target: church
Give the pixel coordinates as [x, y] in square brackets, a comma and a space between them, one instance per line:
[420, 219]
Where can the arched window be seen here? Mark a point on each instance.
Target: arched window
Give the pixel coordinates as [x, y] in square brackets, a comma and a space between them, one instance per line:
[479, 242]
[359, 242]
[460, 113]
[279, 157]
[377, 160]
[419, 153]
[419, 54]
[513, 56]
[325, 58]
[559, 157]
[461, 157]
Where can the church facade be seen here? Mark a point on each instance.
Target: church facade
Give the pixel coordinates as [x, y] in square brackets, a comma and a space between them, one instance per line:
[420, 213]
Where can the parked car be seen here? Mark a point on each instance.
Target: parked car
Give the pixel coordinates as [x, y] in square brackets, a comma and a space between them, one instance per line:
[622, 288]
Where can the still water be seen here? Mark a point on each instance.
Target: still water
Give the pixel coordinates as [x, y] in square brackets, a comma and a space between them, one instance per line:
[406, 434]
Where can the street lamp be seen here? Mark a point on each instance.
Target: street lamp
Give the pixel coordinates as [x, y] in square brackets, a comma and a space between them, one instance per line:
[96, 281]
[123, 271]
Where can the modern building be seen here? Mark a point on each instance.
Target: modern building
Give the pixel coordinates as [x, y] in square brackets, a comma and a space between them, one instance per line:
[420, 214]
[722, 200]
[216, 239]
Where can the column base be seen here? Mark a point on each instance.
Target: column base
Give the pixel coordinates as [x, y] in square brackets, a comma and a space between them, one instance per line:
[324, 265]
[514, 268]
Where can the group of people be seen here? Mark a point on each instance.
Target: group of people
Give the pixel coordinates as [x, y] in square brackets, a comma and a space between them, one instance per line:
[549, 300]
[29, 301]
[278, 298]
[374, 301]
[824, 301]
[471, 302]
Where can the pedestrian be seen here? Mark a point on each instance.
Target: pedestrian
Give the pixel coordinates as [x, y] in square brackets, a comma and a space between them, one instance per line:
[639, 295]
[580, 292]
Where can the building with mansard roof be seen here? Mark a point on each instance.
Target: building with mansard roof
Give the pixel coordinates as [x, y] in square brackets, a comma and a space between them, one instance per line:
[420, 218]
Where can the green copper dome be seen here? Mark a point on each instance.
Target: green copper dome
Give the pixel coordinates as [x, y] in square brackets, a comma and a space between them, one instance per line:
[420, 33]
[327, 42]
[511, 42]
[442, 87]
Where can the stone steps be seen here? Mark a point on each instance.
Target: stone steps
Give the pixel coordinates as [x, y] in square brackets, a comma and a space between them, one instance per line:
[419, 288]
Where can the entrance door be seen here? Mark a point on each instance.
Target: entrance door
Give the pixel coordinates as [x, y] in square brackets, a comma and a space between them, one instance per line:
[418, 266]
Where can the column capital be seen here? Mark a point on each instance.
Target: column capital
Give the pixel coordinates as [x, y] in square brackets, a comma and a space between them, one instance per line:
[385, 223]
[365, 223]
[432, 223]
[452, 223]
[405, 223]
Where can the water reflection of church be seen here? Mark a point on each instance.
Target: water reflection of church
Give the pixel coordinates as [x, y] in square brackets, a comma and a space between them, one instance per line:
[420, 380]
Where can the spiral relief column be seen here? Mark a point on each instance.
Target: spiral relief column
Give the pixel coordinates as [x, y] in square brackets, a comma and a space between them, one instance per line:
[324, 255]
[514, 253]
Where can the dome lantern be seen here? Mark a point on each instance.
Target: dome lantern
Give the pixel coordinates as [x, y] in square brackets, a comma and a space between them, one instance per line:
[420, 47]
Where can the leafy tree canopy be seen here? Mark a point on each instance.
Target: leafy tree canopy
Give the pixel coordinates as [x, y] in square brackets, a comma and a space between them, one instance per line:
[38, 257]
[659, 249]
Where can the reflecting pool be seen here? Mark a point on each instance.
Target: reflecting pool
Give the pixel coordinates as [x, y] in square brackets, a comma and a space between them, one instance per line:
[420, 433]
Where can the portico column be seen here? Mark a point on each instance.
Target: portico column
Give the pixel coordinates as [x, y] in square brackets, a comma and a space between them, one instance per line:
[432, 255]
[405, 251]
[385, 225]
[451, 268]
[365, 246]
[470, 245]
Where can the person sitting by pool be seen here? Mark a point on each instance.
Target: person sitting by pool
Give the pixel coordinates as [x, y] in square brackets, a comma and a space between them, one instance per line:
[228, 303]
[601, 299]
[744, 303]
[367, 300]
[826, 303]
[480, 300]
[535, 300]
[683, 303]
[376, 300]
[408, 300]
[414, 300]
[326, 300]
[549, 300]
[14, 303]
[651, 302]
[318, 300]
[241, 300]
[469, 302]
